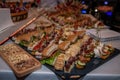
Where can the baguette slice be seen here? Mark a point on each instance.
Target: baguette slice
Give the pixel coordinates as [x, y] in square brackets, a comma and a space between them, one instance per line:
[80, 33]
[104, 56]
[60, 62]
[49, 50]
[64, 45]
[26, 36]
[85, 38]
[72, 38]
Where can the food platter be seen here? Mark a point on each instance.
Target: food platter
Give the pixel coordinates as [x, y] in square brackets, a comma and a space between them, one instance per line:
[93, 64]
[76, 73]
[18, 59]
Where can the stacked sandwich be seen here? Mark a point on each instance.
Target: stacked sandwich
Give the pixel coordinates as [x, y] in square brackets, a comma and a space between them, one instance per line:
[37, 38]
[77, 52]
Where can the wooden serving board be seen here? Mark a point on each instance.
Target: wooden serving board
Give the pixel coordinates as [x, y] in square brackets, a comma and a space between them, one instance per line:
[21, 62]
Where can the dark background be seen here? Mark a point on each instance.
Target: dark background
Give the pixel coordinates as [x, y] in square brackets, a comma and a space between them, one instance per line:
[112, 20]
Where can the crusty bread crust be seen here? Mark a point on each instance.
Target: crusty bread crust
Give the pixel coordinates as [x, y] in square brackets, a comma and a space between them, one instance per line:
[64, 45]
[49, 50]
[60, 62]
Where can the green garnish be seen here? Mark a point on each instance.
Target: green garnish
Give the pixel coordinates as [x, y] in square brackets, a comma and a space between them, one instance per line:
[33, 38]
[23, 43]
[111, 50]
[50, 60]
[81, 63]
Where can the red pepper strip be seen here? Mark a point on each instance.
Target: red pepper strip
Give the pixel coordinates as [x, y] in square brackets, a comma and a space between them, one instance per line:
[37, 47]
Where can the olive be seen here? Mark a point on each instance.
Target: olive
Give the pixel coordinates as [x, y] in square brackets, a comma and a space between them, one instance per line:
[71, 60]
[67, 65]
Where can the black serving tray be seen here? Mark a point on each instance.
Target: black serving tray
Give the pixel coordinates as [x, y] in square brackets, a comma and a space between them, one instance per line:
[93, 64]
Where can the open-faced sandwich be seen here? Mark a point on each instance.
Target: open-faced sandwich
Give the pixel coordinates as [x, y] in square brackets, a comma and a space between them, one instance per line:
[103, 51]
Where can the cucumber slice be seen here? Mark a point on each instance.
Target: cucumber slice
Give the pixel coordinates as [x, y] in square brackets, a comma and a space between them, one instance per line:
[111, 50]
[81, 63]
[88, 55]
[92, 54]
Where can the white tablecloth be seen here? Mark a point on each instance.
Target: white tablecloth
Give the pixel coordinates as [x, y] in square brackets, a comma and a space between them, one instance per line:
[5, 19]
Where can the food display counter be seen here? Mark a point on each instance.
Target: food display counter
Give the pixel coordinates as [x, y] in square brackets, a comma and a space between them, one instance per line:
[108, 70]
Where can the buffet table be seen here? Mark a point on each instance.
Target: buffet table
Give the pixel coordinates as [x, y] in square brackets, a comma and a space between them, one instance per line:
[108, 71]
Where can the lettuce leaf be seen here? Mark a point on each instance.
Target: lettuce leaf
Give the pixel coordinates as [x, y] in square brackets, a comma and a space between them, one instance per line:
[50, 60]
